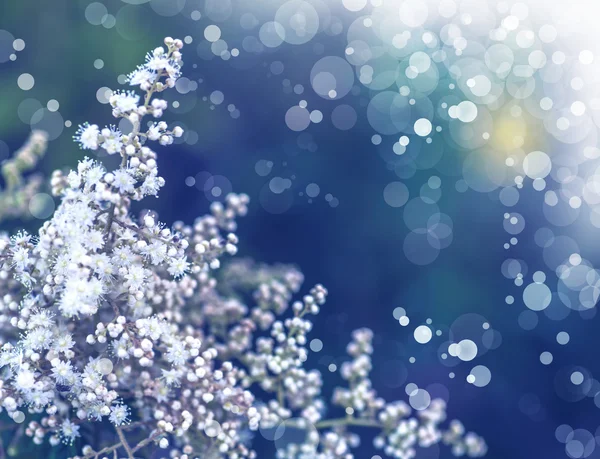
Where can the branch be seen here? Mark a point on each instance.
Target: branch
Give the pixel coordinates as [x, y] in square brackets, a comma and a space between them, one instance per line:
[124, 442]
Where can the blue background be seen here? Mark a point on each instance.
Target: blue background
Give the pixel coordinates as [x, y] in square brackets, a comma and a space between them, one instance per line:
[354, 249]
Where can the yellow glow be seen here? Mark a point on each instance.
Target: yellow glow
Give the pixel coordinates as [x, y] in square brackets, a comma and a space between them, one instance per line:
[516, 133]
[509, 133]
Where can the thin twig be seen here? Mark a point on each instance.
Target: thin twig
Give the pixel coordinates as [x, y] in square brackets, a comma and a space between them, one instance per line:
[143, 443]
[97, 454]
[124, 442]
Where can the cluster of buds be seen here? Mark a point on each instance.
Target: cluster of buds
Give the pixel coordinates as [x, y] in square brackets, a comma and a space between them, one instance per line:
[16, 197]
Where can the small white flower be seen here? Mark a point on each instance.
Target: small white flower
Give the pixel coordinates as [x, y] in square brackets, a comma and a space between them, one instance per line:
[87, 136]
[123, 181]
[177, 354]
[25, 380]
[63, 343]
[123, 256]
[74, 179]
[111, 140]
[156, 252]
[94, 240]
[141, 76]
[119, 415]
[154, 132]
[41, 318]
[20, 257]
[151, 186]
[94, 175]
[157, 63]
[178, 267]
[69, 431]
[125, 101]
[62, 371]
[135, 277]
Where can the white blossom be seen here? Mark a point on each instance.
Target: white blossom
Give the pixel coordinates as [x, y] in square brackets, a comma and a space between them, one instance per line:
[87, 136]
[111, 140]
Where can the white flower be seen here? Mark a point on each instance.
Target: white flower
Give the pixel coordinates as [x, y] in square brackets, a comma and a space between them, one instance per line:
[177, 354]
[69, 431]
[94, 175]
[38, 339]
[74, 179]
[87, 136]
[121, 348]
[150, 327]
[156, 252]
[41, 318]
[62, 371]
[123, 256]
[102, 266]
[141, 76]
[38, 398]
[171, 377]
[125, 101]
[151, 186]
[123, 181]
[119, 414]
[94, 240]
[63, 343]
[135, 277]
[178, 266]
[157, 63]
[154, 132]
[111, 140]
[20, 257]
[25, 380]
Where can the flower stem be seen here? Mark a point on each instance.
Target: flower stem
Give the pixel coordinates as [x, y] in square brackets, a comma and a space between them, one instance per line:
[124, 443]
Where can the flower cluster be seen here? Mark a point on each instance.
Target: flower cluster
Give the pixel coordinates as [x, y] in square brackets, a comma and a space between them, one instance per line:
[15, 198]
[105, 317]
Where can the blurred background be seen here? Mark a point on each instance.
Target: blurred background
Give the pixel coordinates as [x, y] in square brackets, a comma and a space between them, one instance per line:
[334, 197]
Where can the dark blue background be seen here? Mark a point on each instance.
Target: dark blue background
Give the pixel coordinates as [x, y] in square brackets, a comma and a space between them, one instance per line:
[354, 249]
